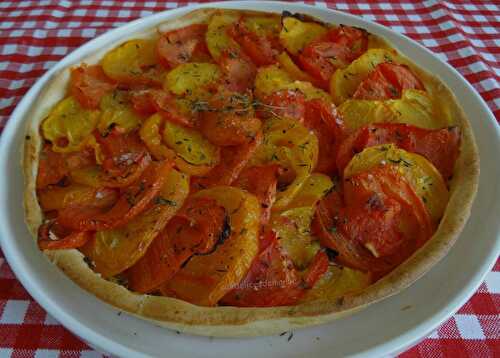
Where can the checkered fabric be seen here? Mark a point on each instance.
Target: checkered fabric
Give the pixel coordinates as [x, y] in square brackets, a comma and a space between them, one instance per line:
[34, 35]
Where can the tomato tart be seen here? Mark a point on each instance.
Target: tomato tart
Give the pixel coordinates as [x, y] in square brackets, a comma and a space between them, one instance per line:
[237, 173]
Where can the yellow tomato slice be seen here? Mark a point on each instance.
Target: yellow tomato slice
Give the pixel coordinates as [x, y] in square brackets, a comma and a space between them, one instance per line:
[293, 225]
[150, 135]
[296, 34]
[337, 282]
[293, 70]
[217, 38]
[206, 279]
[415, 107]
[263, 25]
[271, 79]
[345, 81]
[134, 62]
[114, 251]
[116, 110]
[420, 173]
[190, 145]
[288, 143]
[69, 125]
[189, 78]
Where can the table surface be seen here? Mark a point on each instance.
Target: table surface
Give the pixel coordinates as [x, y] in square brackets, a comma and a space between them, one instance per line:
[34, 35]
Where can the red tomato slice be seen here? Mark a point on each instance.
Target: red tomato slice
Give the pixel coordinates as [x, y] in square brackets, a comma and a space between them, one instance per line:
[239, 70]
[150, 101]
[233, 160]
[318, 266]
[441, 146]
[386, 81]
[324, 120]
[183, 45]
[196, 229]
[336, 49]
[53, 167]
[72, 241]
[120, 151]
[354, 38]
[230, 119]
[89, 84]
[377, 203]
[287, 103]
[261, 181]
[258, 48]
[316, 59]
[273, 280]
[229, 129]
[132, 202]
[57, 198]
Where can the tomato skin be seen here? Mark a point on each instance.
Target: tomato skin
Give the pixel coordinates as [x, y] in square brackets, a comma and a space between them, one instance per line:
[324, 120]
[72, 241]
[57, 198]
[150, 101]
[374, 204]
[285, 103]
[400, 76]
[53, 167]
[388, 80]
[239, 70]
[233, 160]
[183, 45]
[441, 146]
[89, 84]
[133, 200]
[229, 129]
[337, 48]
[315, 61]
[230, 120]
[272, 280]
[120, 151]
[317, 267]
[258, 48]
[196, 229]
[261, 181]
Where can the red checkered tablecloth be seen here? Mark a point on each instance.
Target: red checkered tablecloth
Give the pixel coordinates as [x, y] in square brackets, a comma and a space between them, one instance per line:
[34, 35]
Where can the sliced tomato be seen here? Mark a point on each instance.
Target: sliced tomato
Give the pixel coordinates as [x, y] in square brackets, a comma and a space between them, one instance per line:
[317, 59]
[262, 182]
[286, 103]
[273, 280]
[258, 48]
[336, 49]
[229, 129]
[441, 146]
[71, 241]
[233, 160]
[229, 119]
[120, 151]
[89, 84]
[266, 239]
[354, 38]
[196, 229]
[53, 167]
[151, 101]
[323, 119]
[57, 198]
[381, 222]
[239, 70]
[386, 81]
[183, 45]
[133, 200]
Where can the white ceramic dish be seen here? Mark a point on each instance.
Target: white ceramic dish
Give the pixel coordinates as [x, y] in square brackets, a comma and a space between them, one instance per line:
[384, 328]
